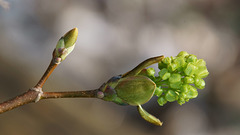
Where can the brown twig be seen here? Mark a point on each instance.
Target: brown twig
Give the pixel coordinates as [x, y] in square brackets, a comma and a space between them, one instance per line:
[64, 46]
[20, 100]
[31, 95]
[47, 73]
[71, 94]
[35, 94]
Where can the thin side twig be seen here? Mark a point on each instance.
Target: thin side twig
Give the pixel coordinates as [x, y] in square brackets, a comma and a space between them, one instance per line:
[71, 94]
[47, 73]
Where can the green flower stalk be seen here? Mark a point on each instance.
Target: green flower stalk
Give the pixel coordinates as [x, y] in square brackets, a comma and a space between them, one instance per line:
[65, 45]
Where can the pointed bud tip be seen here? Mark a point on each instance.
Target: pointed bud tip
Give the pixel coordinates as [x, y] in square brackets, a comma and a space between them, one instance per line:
[66, 44]
[74, 30]
[70, 37]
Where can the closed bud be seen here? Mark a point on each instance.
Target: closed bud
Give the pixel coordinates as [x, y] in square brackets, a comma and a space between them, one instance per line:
[181, 101]
[162, 65]
[172, 67]
[184, 88]
[170, 96]
[182, 54]
[174, 78]
[199, 83]
[192, 58]
[164, 74]
[190, 69]
[188, 80]
[161, 101]
[158, 91]
[66, 44]
[176, 85]
[192, 93]
[167, 60]
[202, 72]
[180, 61]
[200, 63]
[151, 72]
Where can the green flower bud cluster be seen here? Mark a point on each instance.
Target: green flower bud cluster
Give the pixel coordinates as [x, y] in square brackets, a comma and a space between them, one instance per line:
[179, 78]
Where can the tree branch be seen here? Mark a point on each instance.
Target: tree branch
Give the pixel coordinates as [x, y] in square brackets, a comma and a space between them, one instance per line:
[31, 95]
[64, 46]
[20, 100]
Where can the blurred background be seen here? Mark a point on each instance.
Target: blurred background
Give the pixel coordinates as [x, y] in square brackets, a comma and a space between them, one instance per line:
[115, 36]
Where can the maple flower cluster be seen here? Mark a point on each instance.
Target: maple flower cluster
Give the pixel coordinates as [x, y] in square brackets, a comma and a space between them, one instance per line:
[179, 78]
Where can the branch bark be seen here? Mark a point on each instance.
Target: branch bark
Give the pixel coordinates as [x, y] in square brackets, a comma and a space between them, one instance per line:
[31, 95]
[20, 100]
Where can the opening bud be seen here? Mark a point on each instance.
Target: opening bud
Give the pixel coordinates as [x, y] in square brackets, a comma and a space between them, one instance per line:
[66, 44]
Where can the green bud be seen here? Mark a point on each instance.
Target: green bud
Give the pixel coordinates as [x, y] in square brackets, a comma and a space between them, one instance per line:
[162, 65]
[175, 78]
[70, 37]
[158, 91]
[176, 85]
[181, 101]
[164, 74]
[192, 58]
[172, 67]
[184, 88]
[135, 90]
[161, 101]
[167, 60]
[202, 72]
[192, 93]
[151, 72]
[200, 63]
[190, 69]
[170, 96]
[180, 61]
[199, 83]
[188, 80]
[65, 45]
[182, 54]
[182, 95]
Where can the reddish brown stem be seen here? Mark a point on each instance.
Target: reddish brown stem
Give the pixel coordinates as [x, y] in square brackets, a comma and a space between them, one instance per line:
[31, 96]
[70, 94]
[20, 100]
[47, 73]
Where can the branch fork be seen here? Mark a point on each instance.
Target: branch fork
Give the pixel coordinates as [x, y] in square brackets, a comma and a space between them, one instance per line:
[64, 47]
